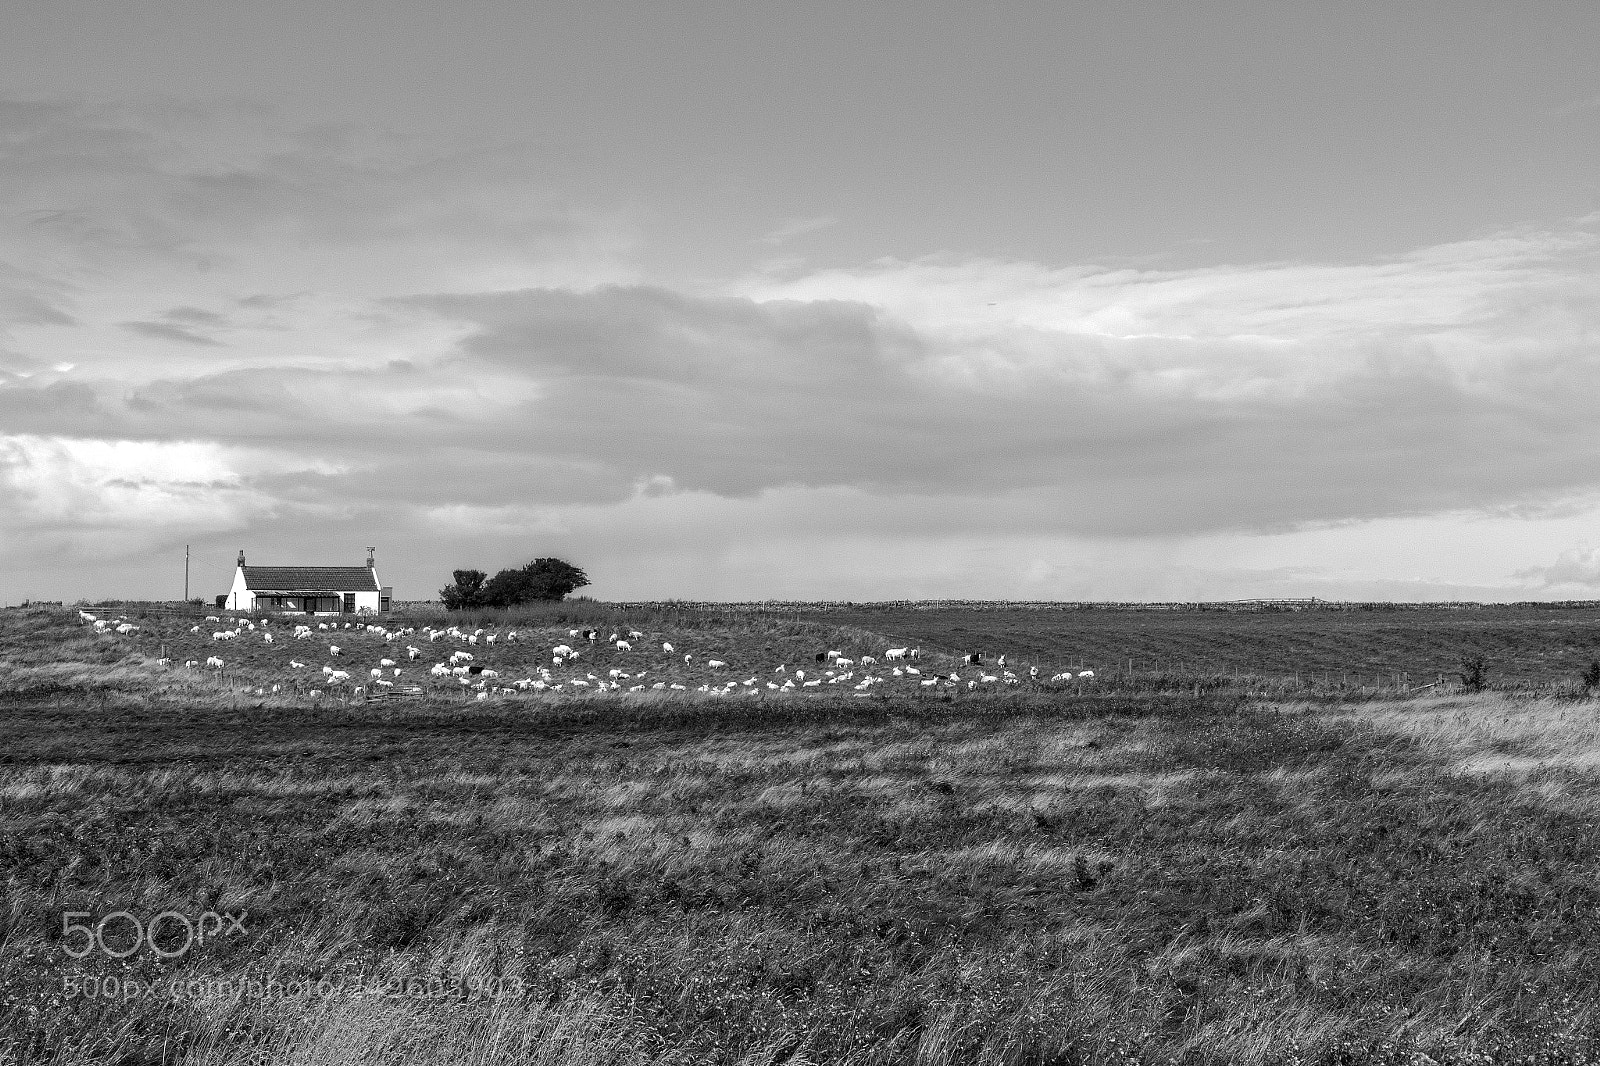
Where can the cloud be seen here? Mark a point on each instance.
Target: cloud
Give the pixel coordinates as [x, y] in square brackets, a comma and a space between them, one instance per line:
[423, 338]
[1576, 566]
[790, 228]
[114, 497]
[168, 332]
[1111, 402]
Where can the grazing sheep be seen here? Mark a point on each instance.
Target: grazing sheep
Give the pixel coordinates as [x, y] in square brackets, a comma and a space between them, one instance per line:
[1085, 673]
[561, 649]
[293, 665]
[715, 664]
[385, 662]
[267, 637]
[623, 645]
[634, 634]
[338, 677]
[413, 653]
[666, 647]
[333, 649]
[375, 672]
[867, 660]
[896, 653]
[214, 662]
[846, 663]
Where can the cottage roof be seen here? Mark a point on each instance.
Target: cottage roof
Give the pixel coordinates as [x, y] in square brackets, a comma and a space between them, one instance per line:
[310, 579]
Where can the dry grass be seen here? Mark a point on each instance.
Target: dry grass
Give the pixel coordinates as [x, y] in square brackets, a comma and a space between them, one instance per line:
[1021, 880]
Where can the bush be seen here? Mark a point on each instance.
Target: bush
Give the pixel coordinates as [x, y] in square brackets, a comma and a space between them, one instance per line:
[466, 592]
[1474, 673]
[540, 580]
[1591, 675]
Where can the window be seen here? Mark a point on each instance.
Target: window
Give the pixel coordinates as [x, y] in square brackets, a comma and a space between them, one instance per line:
[349, 603]
[383, 603]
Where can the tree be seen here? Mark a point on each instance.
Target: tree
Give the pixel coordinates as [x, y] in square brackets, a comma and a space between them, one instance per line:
[466, 592]
[542, 579]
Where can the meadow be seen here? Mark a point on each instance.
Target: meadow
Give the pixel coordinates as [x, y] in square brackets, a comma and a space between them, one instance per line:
[1126, 873]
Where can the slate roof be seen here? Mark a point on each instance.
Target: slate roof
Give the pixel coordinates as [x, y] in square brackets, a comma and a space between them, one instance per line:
[310, 579]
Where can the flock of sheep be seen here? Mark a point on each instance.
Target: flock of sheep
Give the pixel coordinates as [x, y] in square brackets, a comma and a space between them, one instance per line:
[372, 659]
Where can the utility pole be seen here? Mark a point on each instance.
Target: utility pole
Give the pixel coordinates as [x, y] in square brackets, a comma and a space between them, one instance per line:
[185, 573]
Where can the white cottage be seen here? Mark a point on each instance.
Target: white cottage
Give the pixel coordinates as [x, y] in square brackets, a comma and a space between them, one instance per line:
[308, 589]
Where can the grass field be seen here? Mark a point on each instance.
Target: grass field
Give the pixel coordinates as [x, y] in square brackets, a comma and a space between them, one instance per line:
[1020, 875]
[1382, 646]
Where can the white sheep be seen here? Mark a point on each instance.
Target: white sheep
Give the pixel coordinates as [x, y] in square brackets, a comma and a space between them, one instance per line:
[293, 665]
[267, 637]
[716, 664]
[214, 662]
[385, 662]
[623, 645]
[896, 653]
[338, 677]
[666, 647]
[561, 649]
[333, 649]
[634, 634]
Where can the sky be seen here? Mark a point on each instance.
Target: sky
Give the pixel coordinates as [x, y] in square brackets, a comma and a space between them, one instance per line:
[839, 301]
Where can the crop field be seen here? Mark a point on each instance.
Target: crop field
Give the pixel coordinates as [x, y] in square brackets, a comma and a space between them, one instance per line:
[1118, 872]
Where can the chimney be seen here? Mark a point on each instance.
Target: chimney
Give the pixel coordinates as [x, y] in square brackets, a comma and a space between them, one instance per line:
[241, 556]
[370, 561]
